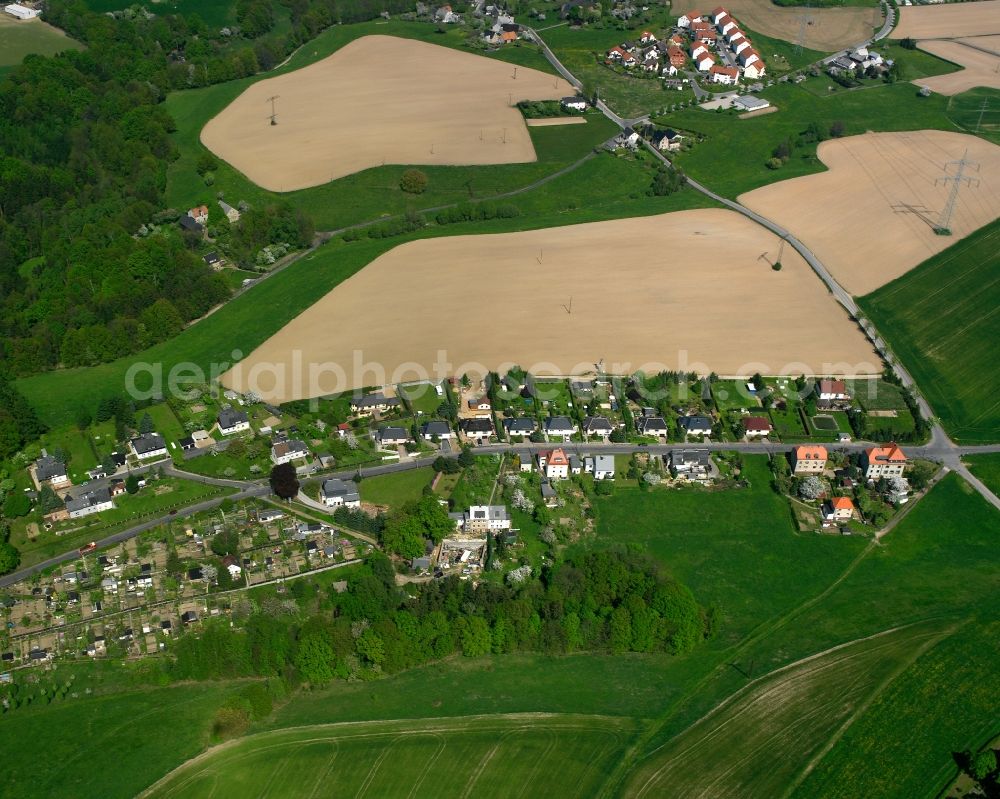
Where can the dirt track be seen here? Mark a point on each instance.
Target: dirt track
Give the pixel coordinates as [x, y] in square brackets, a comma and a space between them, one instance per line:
[980, 68]
[831, 28]
[691, 290]
[380, 100]
[949, 21]
[854, 216]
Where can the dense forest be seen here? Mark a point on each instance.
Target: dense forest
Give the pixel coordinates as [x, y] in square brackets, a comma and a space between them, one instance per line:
[601, 601]
[91, 265]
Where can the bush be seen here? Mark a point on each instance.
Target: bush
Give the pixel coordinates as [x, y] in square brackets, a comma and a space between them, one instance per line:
[413, 182]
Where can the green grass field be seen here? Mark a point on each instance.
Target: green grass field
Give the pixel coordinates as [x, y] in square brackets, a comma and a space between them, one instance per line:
[31, 37]
[579, 196]
[478, 756]
[734, 170]
[942, 321]
[421, 397]
[398, 488]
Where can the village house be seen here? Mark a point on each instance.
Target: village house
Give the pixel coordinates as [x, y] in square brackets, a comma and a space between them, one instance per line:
[486, 519]
[726, 24]
[748, 56]
[647, 38]
[573, 103]
[885, 461]
[727, 76]
[838, 509]
[669, 71]
[620, 56]
[50, 470]
[690, 464]
[602, 467]
[599, 426]
[288, 451]
[676, 57]
[628, 138]
[716, 14]
[89, 503]
[148, 445]
[436, 430]
[755, 427]
[199, 214]
[391, 436]
[370, 403]
[695, 425]
[336, 493]
[687, 20]
[753, 71]
[480, 404]
[703, 62]
[809, 459]
[524, 462]
[477, 429]
[668, 140]
[559, 426]
[739, 44]
[651, 426]
[522, 426]
[708, 37]
[830, 391]
[232, 421]
[554, 465]
[732, 35]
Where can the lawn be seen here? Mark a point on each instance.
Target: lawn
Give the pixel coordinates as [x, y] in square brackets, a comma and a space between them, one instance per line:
[730, 171]
[942, 322]
[165, 423]
[396, 489]
[732, 395]
[733, 548]
[572, 198]
[228, 466]
[421, 397]
[32, 37]
[484, 756]
[75, 444]
[476, 483]
[107, 746]
[986, 468]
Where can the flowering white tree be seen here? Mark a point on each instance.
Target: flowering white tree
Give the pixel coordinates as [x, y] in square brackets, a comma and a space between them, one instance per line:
[521, 502]
[351, 440]
[651, 478]
[812, 488]
[518, 575]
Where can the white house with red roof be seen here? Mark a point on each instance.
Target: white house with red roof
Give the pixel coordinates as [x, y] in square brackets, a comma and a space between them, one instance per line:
[727, 24]
[704, 62]
[739, 44]
[756, 426]
[697, 48]
[838, 509]
[708, 37]
[688, 19]
[647, 38]
[716, 14]
[554, 464]
[754, 70]
[748, 56]
[832, 390]
[727, 76]
[885, 461]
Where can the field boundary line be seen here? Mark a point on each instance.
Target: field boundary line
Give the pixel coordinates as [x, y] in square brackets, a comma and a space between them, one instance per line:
[864, 706]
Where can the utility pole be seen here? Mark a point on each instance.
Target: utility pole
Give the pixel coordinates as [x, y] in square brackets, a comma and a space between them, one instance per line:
[956, 180]
[274, 112]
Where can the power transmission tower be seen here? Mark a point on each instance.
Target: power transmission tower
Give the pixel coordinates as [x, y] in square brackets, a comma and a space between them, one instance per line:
[274, 111]
[943, 226]
[982, 110]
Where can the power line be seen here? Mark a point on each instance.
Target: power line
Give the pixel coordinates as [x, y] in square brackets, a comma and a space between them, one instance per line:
[982, 110]
[274, 111]
[943, 227]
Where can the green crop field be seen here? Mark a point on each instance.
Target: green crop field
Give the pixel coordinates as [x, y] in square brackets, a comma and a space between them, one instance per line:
[966, 110]
[942, 320]
[398, 488]
[778, 723]
[19, 38]
[987, 469]
[579, 196]
[478, 756]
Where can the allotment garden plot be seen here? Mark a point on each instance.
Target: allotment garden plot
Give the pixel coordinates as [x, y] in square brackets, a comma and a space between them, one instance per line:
[380, 100]
[870, 218]
[693, 290]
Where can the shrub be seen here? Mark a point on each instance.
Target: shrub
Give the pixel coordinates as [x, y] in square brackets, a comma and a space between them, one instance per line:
[413, 181]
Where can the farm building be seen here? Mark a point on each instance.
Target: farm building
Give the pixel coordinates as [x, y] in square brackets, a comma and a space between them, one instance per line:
[748, 103]
[22, 12]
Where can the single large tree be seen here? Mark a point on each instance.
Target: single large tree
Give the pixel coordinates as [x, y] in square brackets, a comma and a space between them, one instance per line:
[284, 482]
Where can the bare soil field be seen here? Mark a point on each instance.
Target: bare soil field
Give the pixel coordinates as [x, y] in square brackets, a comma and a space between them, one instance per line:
[870, 217]
[831, 29]
[550, 121]
[380, 100]
[692, 290]
[950, 21]
[980, 68]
